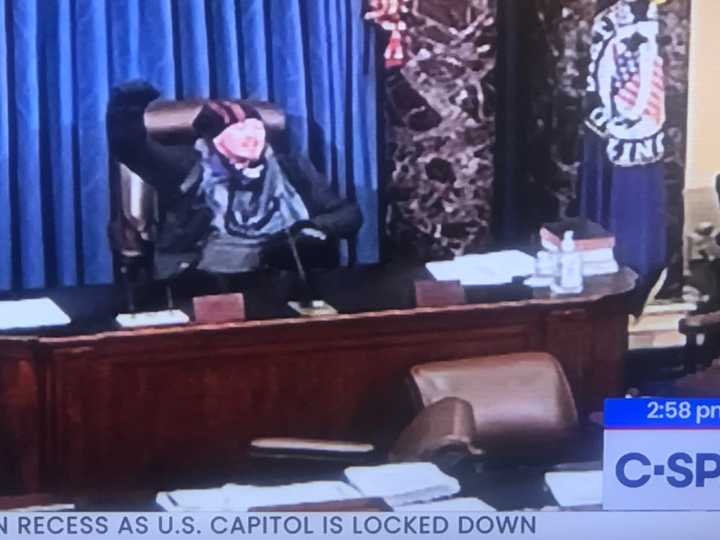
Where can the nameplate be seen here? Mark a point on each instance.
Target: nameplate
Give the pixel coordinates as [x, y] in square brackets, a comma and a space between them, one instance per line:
[662, 454]
[219, 308]
[439, 293]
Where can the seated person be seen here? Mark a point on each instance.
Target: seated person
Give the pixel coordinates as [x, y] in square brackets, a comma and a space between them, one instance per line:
[229, 203]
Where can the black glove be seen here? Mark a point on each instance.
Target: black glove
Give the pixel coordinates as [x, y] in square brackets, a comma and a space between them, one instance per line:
[125, 116]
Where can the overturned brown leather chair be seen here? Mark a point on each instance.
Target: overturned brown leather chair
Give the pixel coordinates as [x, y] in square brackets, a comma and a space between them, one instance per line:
[521, 404]
[440, 433]
[135, 202]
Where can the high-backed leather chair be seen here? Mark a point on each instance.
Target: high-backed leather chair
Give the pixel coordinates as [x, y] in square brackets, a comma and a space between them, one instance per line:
[135, 221]
[521, 403]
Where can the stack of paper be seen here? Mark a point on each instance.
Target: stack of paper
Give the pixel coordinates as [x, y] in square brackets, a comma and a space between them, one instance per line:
[34, 313]
[496, 268]
[239, 498]
[403, 483]
[575, 488]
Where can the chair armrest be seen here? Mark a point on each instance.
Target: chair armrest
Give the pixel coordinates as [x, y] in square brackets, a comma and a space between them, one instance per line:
[698, 324]
[311, 449]
[444, 428]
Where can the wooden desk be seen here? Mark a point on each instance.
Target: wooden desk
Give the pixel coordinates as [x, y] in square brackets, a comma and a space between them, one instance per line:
[122, 408]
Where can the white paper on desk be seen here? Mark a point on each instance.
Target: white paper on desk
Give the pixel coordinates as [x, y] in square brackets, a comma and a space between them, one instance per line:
[238, 498]
[403, 483]
[496, 268]
[458, 504]
[152, 318]
[32, 313]
[575, 488]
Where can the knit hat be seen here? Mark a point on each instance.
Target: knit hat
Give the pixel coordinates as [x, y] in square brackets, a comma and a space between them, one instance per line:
[215, 116]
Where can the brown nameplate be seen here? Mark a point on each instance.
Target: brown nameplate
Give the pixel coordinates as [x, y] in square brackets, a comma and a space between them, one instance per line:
[439, 293]
[219, 308]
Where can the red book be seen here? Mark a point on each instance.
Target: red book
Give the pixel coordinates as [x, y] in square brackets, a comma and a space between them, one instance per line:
[587, 234]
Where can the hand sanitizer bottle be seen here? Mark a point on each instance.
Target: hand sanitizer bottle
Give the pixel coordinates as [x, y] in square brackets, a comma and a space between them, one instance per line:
[569, 276]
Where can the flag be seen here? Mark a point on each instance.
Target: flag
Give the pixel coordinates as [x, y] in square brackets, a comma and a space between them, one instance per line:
[622, 174]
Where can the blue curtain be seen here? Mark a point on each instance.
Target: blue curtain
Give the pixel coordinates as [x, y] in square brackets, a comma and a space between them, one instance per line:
[59, 59]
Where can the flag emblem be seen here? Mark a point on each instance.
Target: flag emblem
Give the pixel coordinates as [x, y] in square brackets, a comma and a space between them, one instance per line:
[626, 85]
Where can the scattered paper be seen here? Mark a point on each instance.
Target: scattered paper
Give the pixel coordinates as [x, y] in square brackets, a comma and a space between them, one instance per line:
[575, 488]
[496, 268]
[34, 313]
[239, 498]
[459, 504]
[403, 483]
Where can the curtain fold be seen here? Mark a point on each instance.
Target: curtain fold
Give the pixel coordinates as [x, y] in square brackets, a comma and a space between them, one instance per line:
[59, 59]
[59, 114]
[6, 236]
[25, 140]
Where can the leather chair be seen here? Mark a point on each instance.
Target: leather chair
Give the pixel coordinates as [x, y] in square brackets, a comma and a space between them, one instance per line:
[135, 202]
[522, 406]
[441, 433]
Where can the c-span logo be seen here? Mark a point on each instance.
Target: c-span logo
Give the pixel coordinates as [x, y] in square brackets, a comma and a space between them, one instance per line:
[662, 454]
[626, 85]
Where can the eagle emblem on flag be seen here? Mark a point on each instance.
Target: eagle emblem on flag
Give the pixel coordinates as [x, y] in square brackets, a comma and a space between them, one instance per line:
[626, 83]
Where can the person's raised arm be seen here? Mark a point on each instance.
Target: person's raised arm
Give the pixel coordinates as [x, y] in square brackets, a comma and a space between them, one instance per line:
[164, 167]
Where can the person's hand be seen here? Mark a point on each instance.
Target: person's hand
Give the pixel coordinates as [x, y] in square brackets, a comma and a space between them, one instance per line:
[242, 143]
[125, 113]
[307, 230]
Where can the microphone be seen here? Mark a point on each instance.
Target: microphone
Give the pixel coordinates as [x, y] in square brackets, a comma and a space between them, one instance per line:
[306, 296]
[307, 305]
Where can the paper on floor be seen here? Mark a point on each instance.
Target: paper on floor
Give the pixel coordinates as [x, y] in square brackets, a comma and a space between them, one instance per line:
[575, 488]
[238, 498]
[403, 483]
[459, 504]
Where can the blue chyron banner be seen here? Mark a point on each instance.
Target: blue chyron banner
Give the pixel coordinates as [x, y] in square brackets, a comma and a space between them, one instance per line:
[660, 413]
[662, 454]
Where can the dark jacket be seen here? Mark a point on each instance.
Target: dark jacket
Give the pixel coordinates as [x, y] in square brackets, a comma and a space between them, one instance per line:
[186, 221]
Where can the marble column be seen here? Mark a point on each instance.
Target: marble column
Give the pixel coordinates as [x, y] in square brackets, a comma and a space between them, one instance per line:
[441, 130]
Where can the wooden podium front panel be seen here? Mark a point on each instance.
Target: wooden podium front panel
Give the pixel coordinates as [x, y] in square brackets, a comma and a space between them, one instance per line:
[146, 407]
[151, 406]
[21, 416]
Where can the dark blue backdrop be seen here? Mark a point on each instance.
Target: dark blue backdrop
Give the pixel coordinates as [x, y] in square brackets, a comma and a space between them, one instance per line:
[59, 58]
